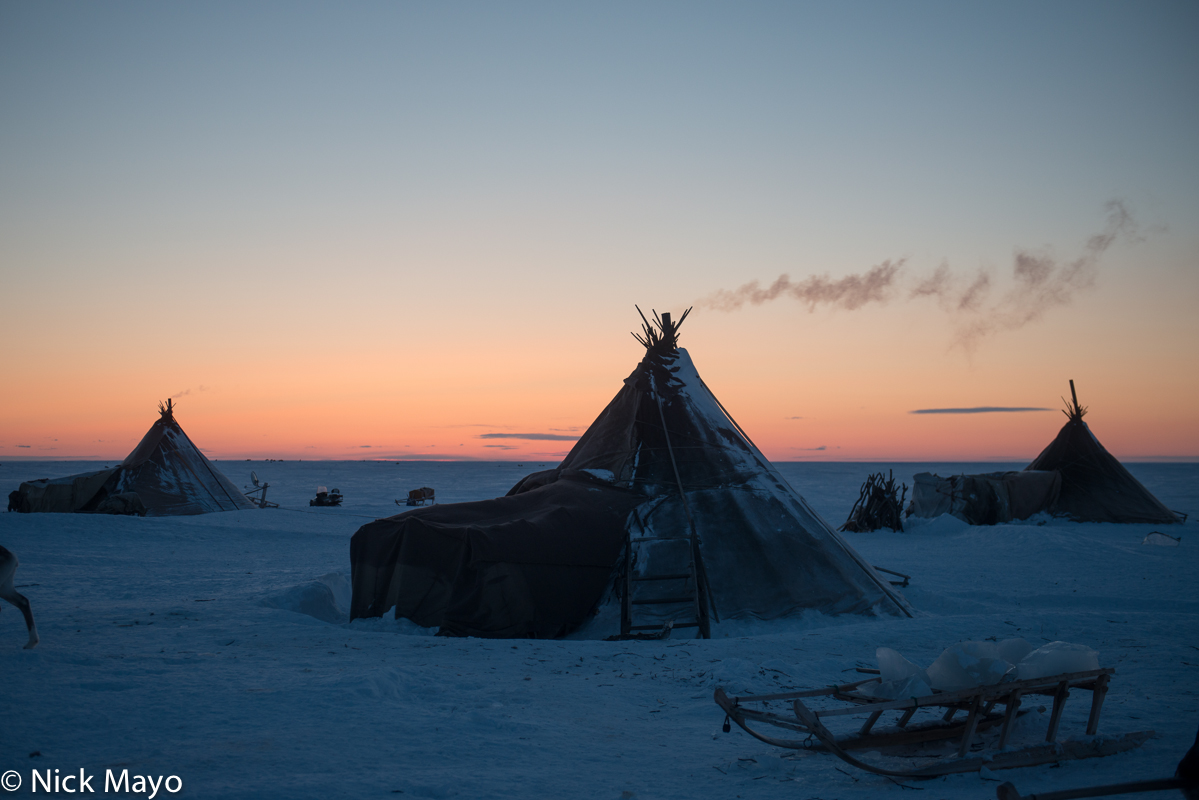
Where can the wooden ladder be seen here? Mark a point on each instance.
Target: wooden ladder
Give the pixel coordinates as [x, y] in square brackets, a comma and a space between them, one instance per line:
[698, 593]
[692, 595]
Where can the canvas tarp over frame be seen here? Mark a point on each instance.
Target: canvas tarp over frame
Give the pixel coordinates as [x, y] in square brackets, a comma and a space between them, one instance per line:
[767, 553]
[985, 499]
[530, 564]
[166, 474]
[1096, 487]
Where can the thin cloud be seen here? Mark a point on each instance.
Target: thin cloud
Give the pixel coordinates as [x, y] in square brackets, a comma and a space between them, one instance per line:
[812, 449]
[472, 425]
[386, 456]
[979, 410]
[792, 417]
[551, 437]
[501, 446]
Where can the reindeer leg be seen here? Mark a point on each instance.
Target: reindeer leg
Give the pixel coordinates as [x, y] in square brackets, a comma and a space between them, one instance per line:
[8, 566]
[21, 602]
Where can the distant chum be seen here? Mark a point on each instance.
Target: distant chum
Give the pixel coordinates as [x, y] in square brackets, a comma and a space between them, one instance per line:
[164, 475]
[1095, 486]
[664, 515]
[1074, 477]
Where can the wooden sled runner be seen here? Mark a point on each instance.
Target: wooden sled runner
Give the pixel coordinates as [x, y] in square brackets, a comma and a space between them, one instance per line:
[1186, 780]
[980, 703]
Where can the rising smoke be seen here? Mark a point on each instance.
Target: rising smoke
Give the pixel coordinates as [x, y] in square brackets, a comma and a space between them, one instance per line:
[849, 293]
[188, 391]
[1039, 283]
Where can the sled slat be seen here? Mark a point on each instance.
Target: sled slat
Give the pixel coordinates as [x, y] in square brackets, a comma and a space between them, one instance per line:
[662, 600]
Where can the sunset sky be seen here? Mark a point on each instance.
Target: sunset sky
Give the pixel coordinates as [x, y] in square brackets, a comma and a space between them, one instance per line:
[418, 230]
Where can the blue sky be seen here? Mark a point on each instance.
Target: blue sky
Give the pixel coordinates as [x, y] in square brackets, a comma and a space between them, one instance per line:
[328, 177]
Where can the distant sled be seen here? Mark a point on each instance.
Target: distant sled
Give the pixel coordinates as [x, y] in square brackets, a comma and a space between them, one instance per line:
[257, 494]
[419, 497]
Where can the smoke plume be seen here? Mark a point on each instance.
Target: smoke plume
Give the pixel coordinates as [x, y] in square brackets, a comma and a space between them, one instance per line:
[849, 293]
[188, 391]
[1039, 283]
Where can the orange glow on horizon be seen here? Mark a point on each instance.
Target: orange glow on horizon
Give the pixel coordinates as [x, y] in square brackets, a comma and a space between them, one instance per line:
[357, 410]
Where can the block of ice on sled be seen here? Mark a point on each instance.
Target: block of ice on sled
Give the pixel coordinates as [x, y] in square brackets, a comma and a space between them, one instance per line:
[894, 667]
[966, 665]
[912, 686]
[1057, 658]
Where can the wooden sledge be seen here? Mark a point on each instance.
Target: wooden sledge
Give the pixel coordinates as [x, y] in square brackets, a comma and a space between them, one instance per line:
[418, 497]
[980, 704]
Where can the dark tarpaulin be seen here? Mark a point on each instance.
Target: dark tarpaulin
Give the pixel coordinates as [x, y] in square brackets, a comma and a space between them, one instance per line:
[1095, 486]
[530, 564]
[166, 471]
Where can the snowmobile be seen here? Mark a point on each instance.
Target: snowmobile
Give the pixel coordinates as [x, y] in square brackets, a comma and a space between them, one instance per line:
[324, 497]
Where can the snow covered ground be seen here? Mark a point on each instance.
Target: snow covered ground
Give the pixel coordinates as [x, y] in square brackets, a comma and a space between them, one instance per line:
[161, 653]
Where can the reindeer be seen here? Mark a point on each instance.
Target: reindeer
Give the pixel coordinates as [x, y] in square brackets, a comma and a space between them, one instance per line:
[8, 568]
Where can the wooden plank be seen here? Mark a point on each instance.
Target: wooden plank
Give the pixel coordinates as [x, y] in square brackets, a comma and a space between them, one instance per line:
[916, 734]
[660, 627]
[971, 726]
[1009, 716]
[805, 693]
[1099, 692]
[1005, 791]
[663, 600]
[674, 577]
[626, 611]
[1042, 754]
[997, 690]
[1059, 704]
[775, 719]
[869, 723]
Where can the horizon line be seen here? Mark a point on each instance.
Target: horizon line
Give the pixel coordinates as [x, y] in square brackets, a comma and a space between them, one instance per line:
[1164, 459]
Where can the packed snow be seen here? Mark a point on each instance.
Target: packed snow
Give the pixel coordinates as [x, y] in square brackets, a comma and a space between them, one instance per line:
[217, 648]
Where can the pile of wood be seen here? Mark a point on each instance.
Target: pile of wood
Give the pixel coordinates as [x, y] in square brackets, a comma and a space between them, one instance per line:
[663, 334]
[879, 505]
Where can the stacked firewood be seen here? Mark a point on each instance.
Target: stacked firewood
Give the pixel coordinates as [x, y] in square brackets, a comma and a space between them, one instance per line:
[879, 505]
